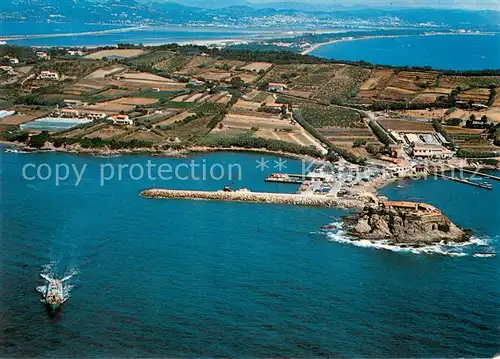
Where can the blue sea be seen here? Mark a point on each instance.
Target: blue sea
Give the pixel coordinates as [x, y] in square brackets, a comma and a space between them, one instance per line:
[10, 28]
[181, 278]
[454, 52]
[146, 35]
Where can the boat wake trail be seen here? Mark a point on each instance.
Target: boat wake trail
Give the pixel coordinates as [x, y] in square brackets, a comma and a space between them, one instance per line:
[476, 247]
[50, 274]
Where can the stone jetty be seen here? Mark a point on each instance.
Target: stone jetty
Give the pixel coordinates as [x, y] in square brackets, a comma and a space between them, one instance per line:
[260, 197]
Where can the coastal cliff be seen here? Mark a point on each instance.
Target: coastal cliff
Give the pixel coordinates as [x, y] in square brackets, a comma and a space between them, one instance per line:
[405, 223]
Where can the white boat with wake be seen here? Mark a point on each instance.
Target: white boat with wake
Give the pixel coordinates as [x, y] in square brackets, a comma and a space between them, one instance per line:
[54, 293]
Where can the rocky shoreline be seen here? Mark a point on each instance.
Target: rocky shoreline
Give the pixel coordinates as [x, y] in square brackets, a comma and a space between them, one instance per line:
[405, 227]
[105, 151]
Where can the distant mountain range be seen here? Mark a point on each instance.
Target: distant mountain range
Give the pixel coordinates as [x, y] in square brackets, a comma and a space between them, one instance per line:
[240, 13]
[333, 5]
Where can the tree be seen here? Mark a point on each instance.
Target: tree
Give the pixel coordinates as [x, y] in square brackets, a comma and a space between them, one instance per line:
[237, 82]
[372, 149]
[454, 121]
[332, 156]
[358, 143]
[473, 117]
[484, 119]
[38, 141]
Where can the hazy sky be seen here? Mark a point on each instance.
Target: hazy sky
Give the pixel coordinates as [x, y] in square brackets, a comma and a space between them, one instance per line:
[468, 4]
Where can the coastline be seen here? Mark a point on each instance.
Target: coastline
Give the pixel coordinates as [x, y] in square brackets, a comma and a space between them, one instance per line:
[77, 150]
[319, 45]
[365, 195]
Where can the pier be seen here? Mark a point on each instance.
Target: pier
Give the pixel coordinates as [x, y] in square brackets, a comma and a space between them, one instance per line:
[461, 180]
[481, 174]
[292, 178]
[258, 197]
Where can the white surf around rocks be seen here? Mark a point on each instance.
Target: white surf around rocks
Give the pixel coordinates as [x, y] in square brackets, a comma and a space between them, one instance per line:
[475, 247]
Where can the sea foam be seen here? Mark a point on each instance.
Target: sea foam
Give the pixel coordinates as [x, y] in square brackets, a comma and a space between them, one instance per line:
[450, 249]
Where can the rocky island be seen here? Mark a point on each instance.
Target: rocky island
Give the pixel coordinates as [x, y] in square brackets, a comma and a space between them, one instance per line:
[405, 223]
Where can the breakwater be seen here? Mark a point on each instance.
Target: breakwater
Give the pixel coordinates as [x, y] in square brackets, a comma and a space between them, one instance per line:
[462, 180]
[260, 197]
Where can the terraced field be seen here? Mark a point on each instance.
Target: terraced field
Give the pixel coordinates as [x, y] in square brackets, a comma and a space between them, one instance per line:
[324, 83]
[466, 82]
[477, 95]
[401, 87]
[372, 87]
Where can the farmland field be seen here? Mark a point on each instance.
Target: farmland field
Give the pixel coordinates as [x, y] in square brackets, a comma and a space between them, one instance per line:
[215, 75]
[112, 93]
[171, 63]
[405, 86]
[146, 80]
[149, 59]
[466, 82]
[325, 83]
[196, 65]
[179, 117]
[234, 120]
[327, 116]
[105, 72]
[377, 80]
[407, 126]
[257, 66]
[137, 101]
[426, 98]
[155, 118]
[189, 131]
[456, 130]
[396, 94]
[144, 136]
[259, 96]
[247, 105]
[269, 127]
[478, 95]
[115, 53]
[107, 132]
[113, 106]
[144, 76]
[246, 77]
